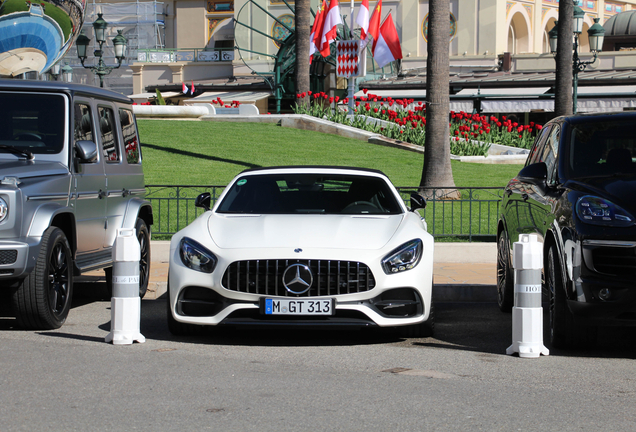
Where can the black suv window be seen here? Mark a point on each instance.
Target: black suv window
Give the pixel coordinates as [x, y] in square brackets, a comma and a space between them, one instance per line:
[32, 122]
[537, 149]
[109, 134]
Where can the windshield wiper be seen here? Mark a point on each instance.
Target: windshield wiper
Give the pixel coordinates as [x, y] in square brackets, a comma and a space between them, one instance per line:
[17, 151]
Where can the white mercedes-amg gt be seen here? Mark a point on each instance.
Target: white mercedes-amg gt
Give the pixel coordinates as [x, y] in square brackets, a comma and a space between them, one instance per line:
[304, 246]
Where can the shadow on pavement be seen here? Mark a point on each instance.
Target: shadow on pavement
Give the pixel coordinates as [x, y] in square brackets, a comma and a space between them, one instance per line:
[470, 326]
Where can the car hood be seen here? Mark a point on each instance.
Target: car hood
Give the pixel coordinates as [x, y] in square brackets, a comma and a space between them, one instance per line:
[26, 169]
[367, 232]
[620, 190]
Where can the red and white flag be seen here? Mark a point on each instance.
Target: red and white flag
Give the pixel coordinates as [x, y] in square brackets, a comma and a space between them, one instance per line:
[330, 27]
[387, 48]
[192, 88]
[363, 19]
[316, 30]
[184, 88]
[374, 26]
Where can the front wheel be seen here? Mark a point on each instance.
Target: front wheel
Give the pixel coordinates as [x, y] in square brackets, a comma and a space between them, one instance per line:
[505, 277]
[564, 333]
[43, 299]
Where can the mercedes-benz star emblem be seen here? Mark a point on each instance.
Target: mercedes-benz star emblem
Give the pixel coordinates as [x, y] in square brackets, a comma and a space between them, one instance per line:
[297, 278]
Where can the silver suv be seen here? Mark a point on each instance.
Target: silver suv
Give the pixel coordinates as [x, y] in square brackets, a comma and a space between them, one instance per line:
[70, 175]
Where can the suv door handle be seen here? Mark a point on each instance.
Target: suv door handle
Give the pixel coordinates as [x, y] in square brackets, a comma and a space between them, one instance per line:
[101, 194]
[125, 192]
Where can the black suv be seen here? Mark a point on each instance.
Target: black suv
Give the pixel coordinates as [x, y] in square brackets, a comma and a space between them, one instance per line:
[577, 192]
[70, 175]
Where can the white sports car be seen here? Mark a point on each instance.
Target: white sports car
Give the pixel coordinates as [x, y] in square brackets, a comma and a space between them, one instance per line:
[304, 246]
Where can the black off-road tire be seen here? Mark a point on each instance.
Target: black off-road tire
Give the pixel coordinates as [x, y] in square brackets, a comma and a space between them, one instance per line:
[143, 235]
[43, 299]
[564, 332]
[505, 275]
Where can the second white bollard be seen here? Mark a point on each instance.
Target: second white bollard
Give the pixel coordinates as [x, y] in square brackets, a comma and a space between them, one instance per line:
[527, 313]
[125, 304]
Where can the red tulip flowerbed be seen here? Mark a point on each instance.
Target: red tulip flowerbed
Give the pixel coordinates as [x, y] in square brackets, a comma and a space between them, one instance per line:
[405, 120]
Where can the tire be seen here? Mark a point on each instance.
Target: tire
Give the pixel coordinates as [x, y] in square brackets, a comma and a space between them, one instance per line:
[557, 307]
[424, 329]
[564, 332]
[43, 299]
[178, 328]
[143, 235]
[505, 276]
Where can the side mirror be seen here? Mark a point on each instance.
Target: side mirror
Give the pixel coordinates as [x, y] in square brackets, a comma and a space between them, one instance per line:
[536, 174]
[203, 201]
[417, 202]
[86, 151]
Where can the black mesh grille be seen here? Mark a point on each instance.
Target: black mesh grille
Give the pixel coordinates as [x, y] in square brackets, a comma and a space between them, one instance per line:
[619, 261]
[8, 256]
[329, 277]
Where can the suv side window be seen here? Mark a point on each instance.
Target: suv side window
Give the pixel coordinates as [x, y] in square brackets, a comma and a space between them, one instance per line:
[108, 128]
[83, 122]
[550, 153]
[129, 131]
[536, 152]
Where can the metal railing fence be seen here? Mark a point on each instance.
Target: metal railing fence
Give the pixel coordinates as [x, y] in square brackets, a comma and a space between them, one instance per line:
[472, 217]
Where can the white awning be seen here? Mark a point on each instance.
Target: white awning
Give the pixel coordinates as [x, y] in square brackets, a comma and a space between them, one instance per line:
[462, 105]
[605, 104]
[591, 90]
[516, 105]
[242, 97]
[514, 92]
[146, 96]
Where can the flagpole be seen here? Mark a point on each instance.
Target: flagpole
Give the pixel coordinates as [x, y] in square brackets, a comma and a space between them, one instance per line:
[352, 80]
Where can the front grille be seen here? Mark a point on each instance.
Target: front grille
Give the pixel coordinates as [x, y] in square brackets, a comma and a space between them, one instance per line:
[617, 261]
[330, 278]
[8, 256]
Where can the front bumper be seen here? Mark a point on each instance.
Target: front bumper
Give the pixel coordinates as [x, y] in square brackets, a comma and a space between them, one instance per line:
[395, 300]
[605, 289]
[14, 258]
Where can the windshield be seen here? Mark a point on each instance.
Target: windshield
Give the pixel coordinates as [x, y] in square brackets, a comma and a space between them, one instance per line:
[602, 149]
[310, 193]
[32, 122]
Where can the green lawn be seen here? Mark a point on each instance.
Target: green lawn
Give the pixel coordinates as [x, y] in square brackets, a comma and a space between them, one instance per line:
[212, 153]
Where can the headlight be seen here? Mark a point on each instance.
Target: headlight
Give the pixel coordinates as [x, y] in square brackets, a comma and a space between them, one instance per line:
[403, 258]
[195, 256]
[599, 211]
[4, 209]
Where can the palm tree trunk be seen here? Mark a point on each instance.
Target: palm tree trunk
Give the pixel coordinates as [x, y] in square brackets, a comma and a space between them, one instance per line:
[437, 171]
[302, 30]
[563, 81]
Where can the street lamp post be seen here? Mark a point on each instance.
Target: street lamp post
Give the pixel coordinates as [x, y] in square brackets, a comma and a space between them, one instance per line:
[119, 41]
[596, 34]
[66, 72]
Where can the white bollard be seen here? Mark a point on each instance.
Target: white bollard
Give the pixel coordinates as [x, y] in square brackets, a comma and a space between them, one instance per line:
[125, 305]
[527, 313]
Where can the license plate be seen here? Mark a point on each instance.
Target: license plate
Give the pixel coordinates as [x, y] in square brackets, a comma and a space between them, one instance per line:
[298, 307]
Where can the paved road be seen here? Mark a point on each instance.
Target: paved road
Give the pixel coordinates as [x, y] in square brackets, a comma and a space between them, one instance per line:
[69, 379]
